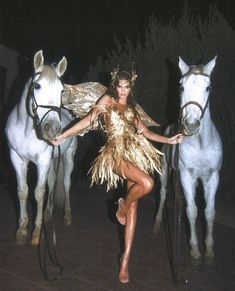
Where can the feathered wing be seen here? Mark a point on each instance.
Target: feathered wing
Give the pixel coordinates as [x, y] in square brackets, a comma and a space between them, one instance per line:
[145, 118]
[82, 97]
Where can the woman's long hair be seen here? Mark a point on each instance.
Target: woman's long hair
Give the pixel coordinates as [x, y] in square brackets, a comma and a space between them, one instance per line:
[112, 89]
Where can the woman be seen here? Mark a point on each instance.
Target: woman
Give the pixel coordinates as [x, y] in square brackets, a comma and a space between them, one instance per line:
[127, 154]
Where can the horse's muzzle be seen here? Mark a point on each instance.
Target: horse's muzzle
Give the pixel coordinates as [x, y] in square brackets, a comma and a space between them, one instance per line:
[190, 128]
[50, 129]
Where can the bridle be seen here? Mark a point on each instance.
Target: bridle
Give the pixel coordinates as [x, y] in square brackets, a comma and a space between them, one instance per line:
[174, 253]
[196, 70]
[35, 105]
[47, 244]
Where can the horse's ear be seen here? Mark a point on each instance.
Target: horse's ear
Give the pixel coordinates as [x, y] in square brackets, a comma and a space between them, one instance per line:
[210, 66]
[38, 61]
[183, 66]
[61, 67]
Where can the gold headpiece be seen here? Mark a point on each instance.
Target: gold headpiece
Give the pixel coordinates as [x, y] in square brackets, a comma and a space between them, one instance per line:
[133, 77]
[114, 77]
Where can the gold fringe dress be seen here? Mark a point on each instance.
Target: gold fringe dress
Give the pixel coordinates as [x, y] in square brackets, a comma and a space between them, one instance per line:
[124, 142]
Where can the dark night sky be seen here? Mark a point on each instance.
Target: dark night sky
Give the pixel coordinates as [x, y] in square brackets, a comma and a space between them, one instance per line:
[82, 30]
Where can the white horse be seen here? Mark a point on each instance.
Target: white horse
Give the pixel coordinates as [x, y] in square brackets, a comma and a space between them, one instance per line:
[36, 119]
[200, 153]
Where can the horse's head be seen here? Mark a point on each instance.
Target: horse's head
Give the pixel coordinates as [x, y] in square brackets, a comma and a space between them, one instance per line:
[195, 89]
[45, 96]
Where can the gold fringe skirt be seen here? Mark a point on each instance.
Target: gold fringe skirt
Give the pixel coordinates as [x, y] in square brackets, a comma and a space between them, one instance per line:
[134, 148]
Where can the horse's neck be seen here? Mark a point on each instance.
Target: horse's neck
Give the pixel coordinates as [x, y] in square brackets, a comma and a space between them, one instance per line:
[22, 112]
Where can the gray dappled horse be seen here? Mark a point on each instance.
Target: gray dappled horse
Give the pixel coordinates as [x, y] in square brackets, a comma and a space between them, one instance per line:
[200, 153]
[37, 118]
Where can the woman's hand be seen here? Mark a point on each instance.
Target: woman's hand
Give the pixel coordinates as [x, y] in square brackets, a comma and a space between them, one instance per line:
[58, 140]
[175, 139]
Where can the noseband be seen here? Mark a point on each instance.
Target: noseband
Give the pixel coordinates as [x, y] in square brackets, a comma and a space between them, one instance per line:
[35, 105]
[198, 105]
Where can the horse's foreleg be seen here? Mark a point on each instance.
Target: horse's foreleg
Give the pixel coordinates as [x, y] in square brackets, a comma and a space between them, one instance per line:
[68, 168]
[22, 233]
[210, 188]
[20, 166]
[39, 196]
[158, 218]
[189, 187]
[192, 216]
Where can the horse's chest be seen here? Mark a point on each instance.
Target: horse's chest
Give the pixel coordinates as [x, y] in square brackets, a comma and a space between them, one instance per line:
[198, 159]
[28, 146]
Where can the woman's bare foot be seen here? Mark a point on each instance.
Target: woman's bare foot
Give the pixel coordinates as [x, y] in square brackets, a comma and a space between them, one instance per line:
[124, 274]
[120, 214]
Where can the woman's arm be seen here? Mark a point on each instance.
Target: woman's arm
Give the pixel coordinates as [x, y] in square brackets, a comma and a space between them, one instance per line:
[157, 137]
[84, 122]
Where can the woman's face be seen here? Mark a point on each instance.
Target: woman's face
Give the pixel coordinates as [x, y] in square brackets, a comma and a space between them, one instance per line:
[123, 89]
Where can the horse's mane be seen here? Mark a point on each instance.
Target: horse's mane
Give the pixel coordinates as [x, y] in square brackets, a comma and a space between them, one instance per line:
[195, 70]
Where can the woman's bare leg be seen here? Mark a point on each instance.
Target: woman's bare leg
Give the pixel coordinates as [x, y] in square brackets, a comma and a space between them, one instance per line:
[139, 184]
[131, 219]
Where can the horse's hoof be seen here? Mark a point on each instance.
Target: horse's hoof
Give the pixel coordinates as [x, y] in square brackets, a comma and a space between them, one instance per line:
[35, 237]
[209, 261]
[196, 262]
[35, 241]
[21, 241]
[156, 227]
[21, 238]
[68, 220]
[209, 258]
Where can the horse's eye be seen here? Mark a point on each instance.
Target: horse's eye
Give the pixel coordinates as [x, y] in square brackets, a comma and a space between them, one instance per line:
[208, 88]
[181, 88]
[62, 91]
[37, 86]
